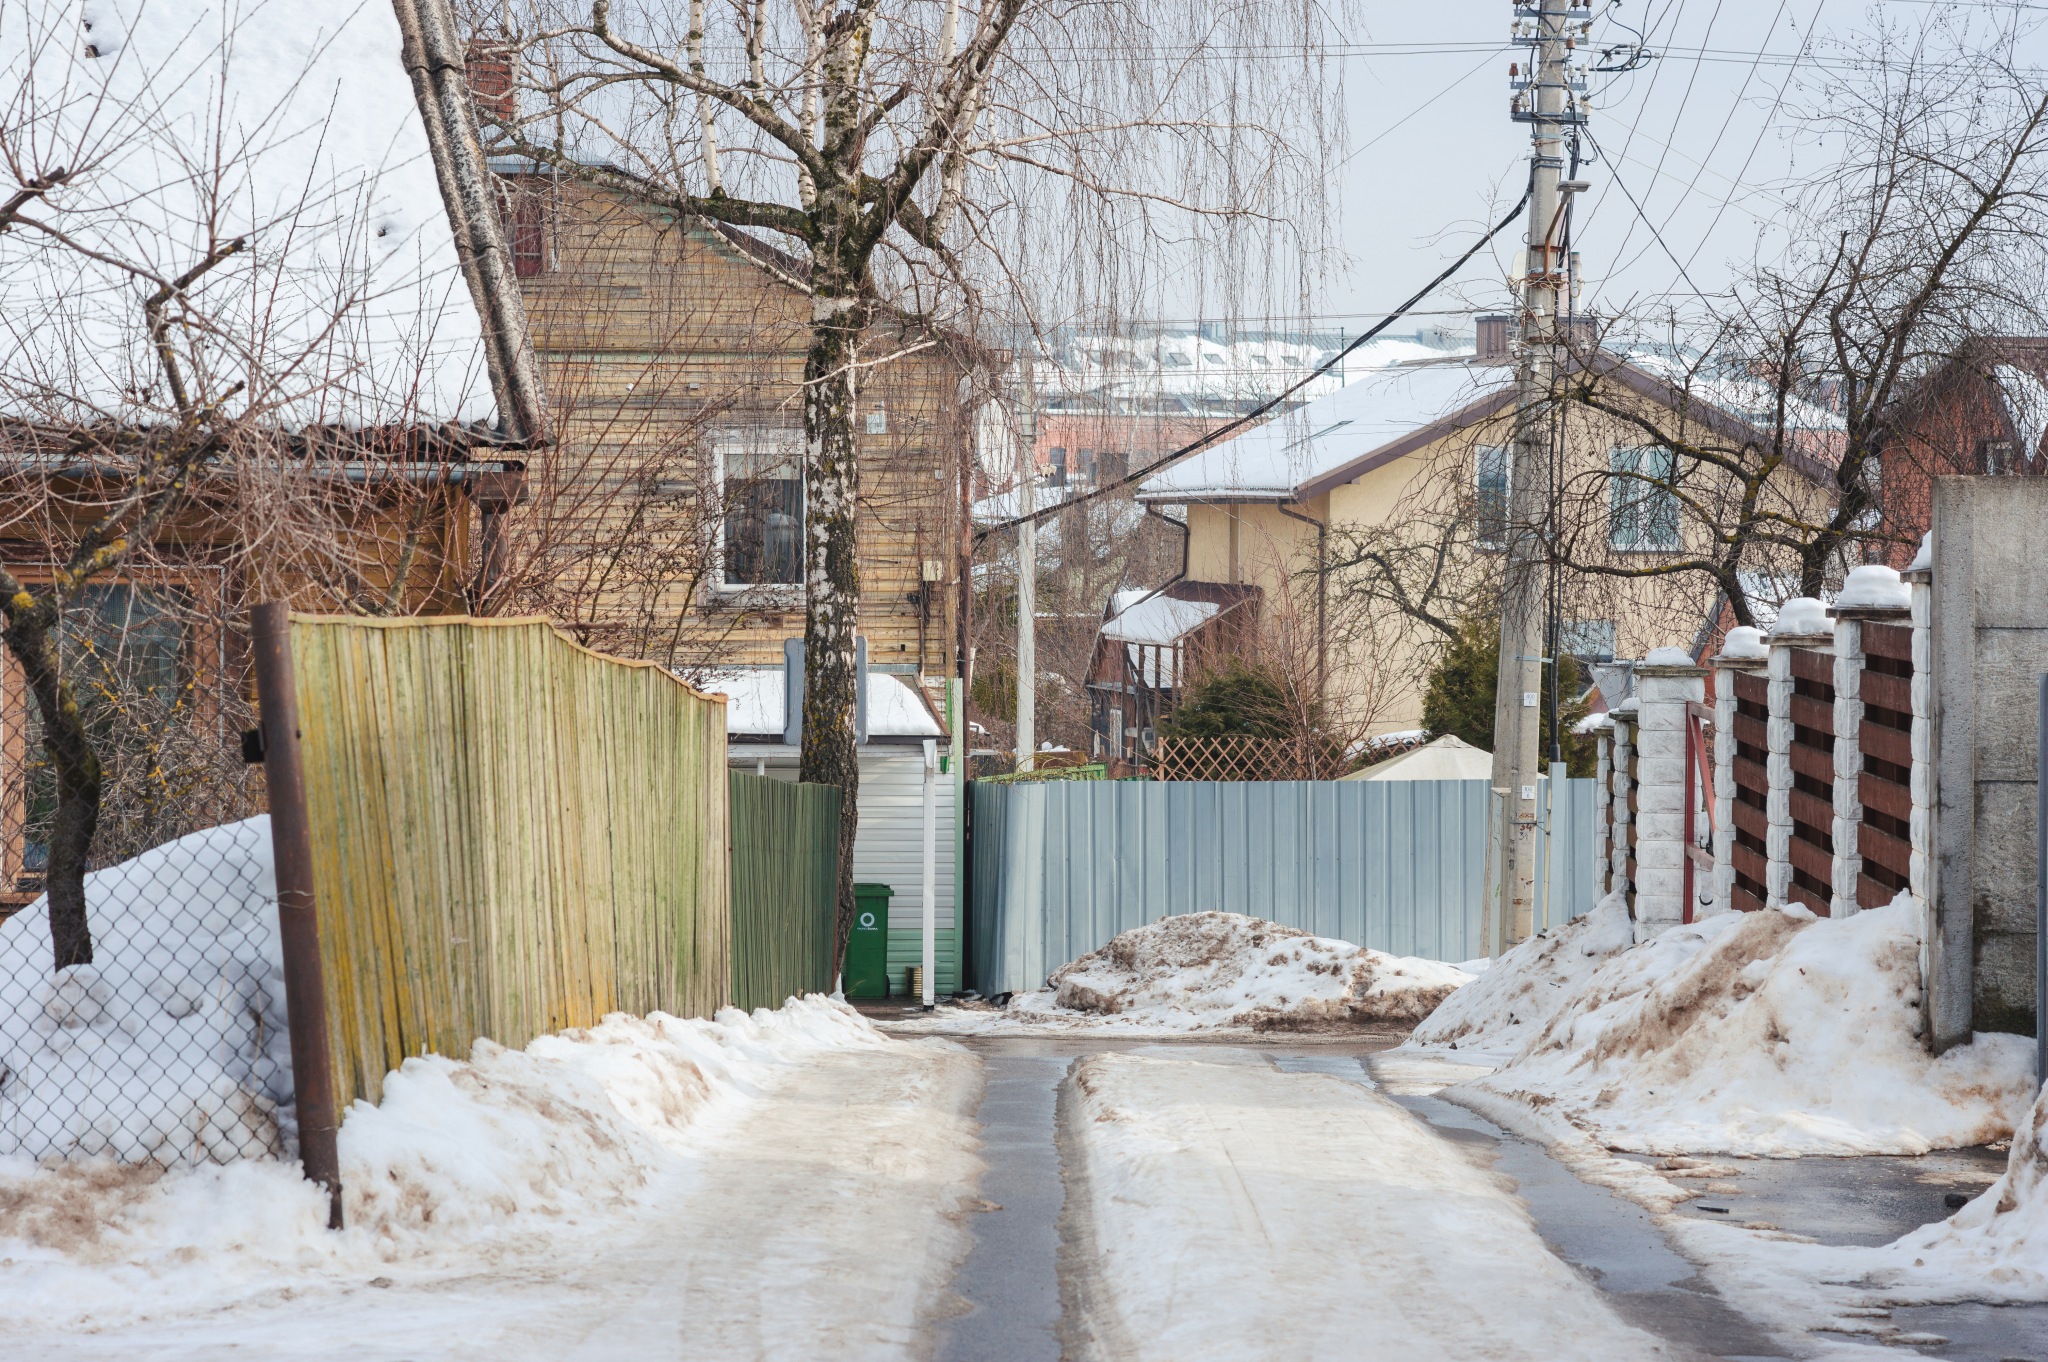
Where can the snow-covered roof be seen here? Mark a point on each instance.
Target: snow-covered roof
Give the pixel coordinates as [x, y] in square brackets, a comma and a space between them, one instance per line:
[1447, 758]
[1159, 620]
[1375, 411]
[758, 705]
[184, 125]
[1187, 364]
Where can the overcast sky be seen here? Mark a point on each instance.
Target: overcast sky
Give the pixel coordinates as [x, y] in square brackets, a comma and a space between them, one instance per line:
[1702, 137]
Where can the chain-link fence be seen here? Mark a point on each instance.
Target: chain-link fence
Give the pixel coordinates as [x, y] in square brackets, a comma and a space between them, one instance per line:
[170, 1046]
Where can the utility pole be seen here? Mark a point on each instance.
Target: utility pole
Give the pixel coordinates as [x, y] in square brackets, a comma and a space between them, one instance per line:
[1027, 567]
[1545, 99]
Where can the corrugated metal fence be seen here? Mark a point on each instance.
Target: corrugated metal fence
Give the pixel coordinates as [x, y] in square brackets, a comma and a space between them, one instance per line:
[511, 835]
[785, 870]
[1400, 866]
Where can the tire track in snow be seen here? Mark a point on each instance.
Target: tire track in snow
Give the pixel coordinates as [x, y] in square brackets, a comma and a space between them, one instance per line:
[1383, 1240]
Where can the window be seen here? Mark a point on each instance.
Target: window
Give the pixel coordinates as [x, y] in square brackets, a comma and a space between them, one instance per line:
[1490, 488]
[878, 420]
[1587, 640]
[761, 477]
[1642, 507]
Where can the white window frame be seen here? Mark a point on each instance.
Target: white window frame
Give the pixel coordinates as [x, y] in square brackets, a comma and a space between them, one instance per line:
[1507, 493]
[1644, 492]
[751, 438]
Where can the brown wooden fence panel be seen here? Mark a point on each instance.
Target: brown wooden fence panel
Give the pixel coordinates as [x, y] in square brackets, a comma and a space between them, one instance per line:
[1752, 789]
[1886, 786]
[1813, 779]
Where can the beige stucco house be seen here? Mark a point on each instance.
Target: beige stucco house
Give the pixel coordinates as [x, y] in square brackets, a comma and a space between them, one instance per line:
[1374, 516]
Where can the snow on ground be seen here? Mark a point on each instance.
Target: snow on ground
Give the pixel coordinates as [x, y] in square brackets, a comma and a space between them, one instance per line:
[1503, 1010]
[1215, 971]
[1769, 1033]
[171, 1046]
[776, 1186]
[1229, 1211]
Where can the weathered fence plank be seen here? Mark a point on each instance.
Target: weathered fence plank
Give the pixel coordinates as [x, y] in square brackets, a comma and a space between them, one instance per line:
[511, 835]
[785, 875]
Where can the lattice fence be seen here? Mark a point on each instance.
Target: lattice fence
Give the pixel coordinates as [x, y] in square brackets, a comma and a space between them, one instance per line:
[1243, 756]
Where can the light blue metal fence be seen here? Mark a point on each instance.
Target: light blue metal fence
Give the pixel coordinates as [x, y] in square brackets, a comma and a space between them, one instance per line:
[1059, 868]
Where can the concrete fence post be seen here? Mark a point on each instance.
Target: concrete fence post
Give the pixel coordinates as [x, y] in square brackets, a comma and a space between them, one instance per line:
[1742, 653]
[1603, 739]
[1620, 795]
[1919, 579]
[1847, 865]
[1666, 682]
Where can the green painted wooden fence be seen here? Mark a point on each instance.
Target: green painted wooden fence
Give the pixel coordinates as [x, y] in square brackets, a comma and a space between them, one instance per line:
[511, 835]
[785, 869]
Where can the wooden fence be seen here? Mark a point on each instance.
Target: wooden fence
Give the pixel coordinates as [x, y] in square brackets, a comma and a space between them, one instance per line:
[1812, 796]
[1885, 840]
[1750, 805]
[785, 878]
[510, 835]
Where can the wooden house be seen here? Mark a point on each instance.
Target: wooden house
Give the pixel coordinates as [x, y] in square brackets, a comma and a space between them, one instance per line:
[673, 353]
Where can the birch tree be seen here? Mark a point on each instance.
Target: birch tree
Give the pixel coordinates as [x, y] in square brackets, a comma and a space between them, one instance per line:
[899, 151]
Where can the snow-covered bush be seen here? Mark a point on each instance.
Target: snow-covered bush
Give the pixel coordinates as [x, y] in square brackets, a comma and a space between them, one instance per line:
[171, 1048]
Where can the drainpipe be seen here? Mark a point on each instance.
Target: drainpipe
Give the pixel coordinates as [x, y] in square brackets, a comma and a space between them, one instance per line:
[1322, 596]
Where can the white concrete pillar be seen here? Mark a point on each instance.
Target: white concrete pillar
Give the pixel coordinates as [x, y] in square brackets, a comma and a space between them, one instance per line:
[1666, 681]
[1621, 817]
[1802, 623]
[1742, 653]
[1848, 794]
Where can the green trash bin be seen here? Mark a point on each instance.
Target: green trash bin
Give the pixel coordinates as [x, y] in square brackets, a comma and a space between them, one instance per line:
[867, 947]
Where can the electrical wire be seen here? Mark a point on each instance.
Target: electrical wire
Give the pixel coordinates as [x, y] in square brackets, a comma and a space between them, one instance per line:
[1196, 446]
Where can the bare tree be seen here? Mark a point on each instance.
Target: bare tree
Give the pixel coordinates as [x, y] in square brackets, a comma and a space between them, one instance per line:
[884, 142]
[1923, 233]
[203, 313]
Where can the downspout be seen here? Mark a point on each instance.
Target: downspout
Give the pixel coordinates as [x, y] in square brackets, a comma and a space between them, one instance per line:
[1322, 596]
[433, 54]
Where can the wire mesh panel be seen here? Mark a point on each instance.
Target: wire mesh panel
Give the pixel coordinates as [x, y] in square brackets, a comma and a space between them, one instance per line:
[151, 1030]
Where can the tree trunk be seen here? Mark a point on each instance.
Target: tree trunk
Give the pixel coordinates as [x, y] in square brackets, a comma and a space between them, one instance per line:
[32, 640]
[832, 570]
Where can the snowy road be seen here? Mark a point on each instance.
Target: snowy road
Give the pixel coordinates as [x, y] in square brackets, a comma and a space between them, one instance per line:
[1227, 1210]
[822, 1221]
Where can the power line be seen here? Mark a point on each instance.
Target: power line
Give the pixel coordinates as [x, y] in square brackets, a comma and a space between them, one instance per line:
[1196, 446]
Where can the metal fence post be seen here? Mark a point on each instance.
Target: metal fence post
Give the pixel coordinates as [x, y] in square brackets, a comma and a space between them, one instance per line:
[297, 914]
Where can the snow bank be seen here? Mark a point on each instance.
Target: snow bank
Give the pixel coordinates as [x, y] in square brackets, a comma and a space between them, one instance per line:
[1200, 970]
[1998, 1244]
[1769, 1033]
[1504, 1009]
[171, 1047]
[461, 1155]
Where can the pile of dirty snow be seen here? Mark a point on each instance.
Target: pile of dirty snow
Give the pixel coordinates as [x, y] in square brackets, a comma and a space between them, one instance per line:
[464, 1163]
[1770, 1033]
[1997, 1246]
[1503, 1010]
[171, 1047]
[1202, 970]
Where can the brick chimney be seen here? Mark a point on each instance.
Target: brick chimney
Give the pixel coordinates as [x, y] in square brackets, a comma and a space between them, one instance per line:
[488, 67]
[1496, 338]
